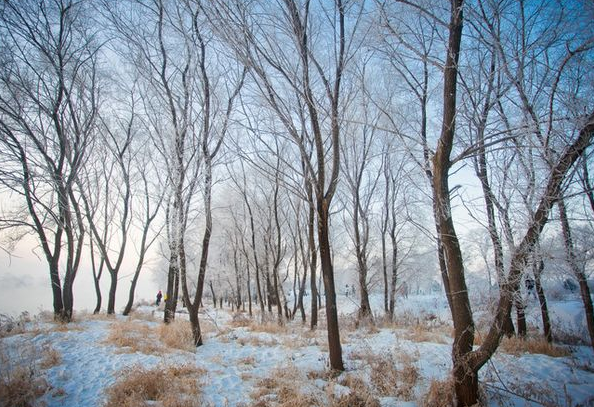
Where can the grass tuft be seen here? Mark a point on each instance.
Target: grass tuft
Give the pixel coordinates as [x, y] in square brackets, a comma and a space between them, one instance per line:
[172, 386]
[21, 383]
[50, 357]
[439, 394]
[177, 335]
[517, 346]
[132, 337]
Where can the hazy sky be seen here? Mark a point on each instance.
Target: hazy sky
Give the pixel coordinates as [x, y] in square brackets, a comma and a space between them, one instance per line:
[25, 284]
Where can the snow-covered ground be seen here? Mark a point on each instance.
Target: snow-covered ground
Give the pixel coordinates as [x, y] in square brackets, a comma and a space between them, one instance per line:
[241, 358]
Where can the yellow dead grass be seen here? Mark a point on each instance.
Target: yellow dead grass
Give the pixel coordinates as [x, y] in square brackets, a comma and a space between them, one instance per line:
[439, 394]
[170, 386]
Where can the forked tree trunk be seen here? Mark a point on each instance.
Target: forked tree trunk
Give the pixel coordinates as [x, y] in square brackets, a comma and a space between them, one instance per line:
[465, 378]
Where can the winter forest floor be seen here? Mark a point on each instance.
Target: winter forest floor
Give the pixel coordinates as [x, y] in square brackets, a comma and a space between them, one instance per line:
[139, 361]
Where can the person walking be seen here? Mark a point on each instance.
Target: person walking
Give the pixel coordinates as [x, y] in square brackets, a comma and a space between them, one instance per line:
[159, 296]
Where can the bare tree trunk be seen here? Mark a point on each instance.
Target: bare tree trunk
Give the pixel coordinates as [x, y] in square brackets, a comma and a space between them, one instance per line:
[465, 378]
[576, 269]
[335, 347]
[212, 291]
[481, 171]
[387, 294]
[173, 271]
[96, 278]
[313, 268]
[394, 274]
[112, 292]
[520, 314]
[538, 267]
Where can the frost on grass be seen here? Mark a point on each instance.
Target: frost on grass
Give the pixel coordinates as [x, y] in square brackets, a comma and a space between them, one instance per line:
[291, 387]
[170, 386]
[440, 393]
[22, 381]
[134, 336]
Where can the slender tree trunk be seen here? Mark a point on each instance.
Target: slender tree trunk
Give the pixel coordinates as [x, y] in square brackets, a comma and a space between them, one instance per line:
[212, 291]
[334, 345]
[394, 276]
[538, 268]
[481, 171]
[169, 313]
[465, 378]
[96, 279]
[577, 270]
[313, 269]
[249, 287]
[385, 275]
[520, 314]
[255, 254]
[112, 292]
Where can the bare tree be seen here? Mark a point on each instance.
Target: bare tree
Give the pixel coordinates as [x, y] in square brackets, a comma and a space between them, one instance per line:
[467, 361]
[358, 150]
[267, 55]
[123, 167]
[48, 109]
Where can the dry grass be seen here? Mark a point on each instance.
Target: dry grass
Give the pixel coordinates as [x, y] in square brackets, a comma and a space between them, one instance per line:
[517, 346]
[172, 386]
[132, 337]
[248, 360]
[354, 399]
[21, 383]
[135, 336]
[143, 316]
[390, 380]
[177, 334]
[268, 327]
[439, 394]
[423, 333]
[240, 320]
[22, 387]
[359, 396]
[291, 387]
[66, 327]
[282, 389]
[530, 344]
[10, 326]
[391, 375]
[49, 357]
[257, 341]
